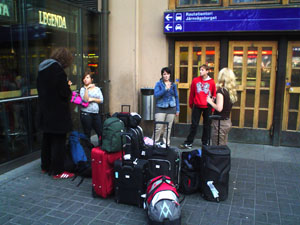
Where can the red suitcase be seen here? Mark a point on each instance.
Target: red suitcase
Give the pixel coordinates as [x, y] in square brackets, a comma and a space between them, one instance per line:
[103, 171]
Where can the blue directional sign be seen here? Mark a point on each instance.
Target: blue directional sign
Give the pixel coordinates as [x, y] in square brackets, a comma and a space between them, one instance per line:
[279, 19]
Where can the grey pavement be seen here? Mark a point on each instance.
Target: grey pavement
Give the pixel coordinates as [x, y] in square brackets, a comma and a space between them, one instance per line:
[264, 188]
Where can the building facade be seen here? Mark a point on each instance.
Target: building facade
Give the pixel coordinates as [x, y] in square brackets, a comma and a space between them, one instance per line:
[259, 40]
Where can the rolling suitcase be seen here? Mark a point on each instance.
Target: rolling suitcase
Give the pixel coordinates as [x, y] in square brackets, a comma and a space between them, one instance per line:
[130, 178]
[215, 167]
[163, 161]
[103, 171]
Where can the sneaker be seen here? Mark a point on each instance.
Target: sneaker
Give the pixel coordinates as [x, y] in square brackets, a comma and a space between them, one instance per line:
[64, 175]
[185, 145]
[162, 145]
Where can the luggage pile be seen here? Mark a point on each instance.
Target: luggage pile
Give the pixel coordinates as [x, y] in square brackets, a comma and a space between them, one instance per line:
[151, 176]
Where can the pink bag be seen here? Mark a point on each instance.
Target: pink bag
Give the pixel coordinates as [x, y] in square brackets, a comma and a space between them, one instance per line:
[76, 99]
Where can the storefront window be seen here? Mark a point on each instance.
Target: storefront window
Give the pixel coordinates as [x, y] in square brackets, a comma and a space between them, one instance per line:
[51, 24]
[197, 2]
[253, 1]
[30, 30]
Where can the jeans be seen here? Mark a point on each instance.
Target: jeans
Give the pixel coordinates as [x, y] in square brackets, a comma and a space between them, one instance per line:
[196, 114]
[91, 121]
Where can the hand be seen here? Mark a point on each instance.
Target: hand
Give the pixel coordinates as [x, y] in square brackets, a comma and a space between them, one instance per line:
[69, 82]
[177, 114]
[91, 86]
[209, 100]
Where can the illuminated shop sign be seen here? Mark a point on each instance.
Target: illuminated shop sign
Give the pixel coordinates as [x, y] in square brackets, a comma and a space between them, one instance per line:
[4, 10]
[52, 20]
[276, 19]
[7, 11]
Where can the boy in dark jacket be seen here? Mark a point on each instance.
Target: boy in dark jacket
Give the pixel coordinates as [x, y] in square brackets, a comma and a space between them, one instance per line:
[201, 87]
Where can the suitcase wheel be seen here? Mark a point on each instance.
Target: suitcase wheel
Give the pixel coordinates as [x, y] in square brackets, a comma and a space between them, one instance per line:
[94, 193]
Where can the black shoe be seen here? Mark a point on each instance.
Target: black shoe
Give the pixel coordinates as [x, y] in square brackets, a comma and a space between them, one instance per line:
[186, 146]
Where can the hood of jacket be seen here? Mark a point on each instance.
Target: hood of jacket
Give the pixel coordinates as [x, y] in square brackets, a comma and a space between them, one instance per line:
[46, 63]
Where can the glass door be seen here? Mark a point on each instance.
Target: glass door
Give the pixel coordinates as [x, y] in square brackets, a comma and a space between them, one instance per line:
[189, 56]
[291, 111]
[254, 64]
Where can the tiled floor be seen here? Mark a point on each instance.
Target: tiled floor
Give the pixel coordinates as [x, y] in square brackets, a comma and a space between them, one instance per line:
[264, 189]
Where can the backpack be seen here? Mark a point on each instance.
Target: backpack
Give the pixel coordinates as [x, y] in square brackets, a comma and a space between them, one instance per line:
[111, 134]
[162, 201]
[190, 172]
[81, 149]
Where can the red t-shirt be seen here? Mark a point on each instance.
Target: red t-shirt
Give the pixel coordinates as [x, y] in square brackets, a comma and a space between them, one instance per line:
[200, 89]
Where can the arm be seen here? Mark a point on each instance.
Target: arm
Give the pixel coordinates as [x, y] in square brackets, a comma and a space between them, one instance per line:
[176, 99]
[192, 94]
[220, 102]
[99, 98]
[158, 91]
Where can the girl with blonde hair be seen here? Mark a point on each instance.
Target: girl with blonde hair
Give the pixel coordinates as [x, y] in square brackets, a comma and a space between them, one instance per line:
[226, 97]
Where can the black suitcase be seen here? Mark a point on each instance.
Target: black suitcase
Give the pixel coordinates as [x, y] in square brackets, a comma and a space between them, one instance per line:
[137, 142]
[215, 167]
[163, 161]
[130, 178]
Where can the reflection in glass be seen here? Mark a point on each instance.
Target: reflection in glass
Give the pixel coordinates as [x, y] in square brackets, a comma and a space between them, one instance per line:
[238, 74]
[294, 101]
[264, 99]
[296, 57]
[238, 53]
[196, 72]
[210, 57]
[295, 78]
[188, 2]
[252, 56]
[183, 55]
[238, 102]
[183, 96]
[251, 77]
[13, 130]
[235, 117]
[197, 56]
[292, 125]
[183, 77]
[265, 77]
[183, 114]
[250, 95]
[249, 118]
[262, 119]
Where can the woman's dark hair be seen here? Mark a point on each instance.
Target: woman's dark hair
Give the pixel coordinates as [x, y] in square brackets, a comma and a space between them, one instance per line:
[165, 69]
[87, 72]
[63, 56]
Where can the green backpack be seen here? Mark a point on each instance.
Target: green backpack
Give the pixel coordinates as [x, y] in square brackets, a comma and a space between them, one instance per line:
[111, 135]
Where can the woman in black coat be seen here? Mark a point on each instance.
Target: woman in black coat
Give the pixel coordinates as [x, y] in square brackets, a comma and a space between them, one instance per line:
[54, 111]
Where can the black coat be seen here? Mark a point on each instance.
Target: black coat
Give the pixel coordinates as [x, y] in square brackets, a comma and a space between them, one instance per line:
[54, 99]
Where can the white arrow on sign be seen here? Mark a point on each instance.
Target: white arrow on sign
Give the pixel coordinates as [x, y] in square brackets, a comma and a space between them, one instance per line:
[168, 17]
[168, 27]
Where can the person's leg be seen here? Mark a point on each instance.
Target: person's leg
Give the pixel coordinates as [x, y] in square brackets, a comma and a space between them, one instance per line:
[224, 130]
[169, 119]
[159, 117]
[86, 122]
[97, 126]
[58, 153]
[196, 113]
[206, 126]
[46, 152]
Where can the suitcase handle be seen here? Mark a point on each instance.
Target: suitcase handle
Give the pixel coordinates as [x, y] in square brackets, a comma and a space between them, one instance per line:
[122, 144]
[219, 118]
[123, 106]
[164, 123]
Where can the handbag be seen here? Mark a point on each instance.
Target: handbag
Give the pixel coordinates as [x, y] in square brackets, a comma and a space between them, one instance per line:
[76, 99]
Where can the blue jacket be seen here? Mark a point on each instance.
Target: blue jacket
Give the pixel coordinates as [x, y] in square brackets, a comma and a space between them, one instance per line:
[166, 98]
